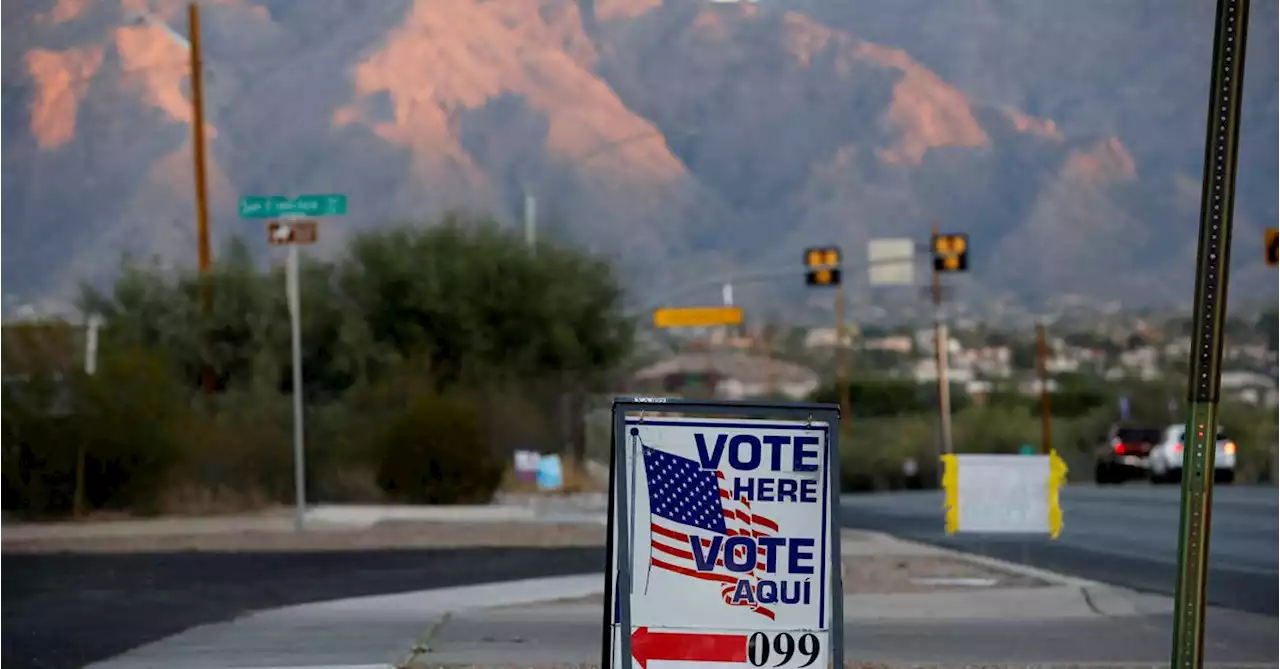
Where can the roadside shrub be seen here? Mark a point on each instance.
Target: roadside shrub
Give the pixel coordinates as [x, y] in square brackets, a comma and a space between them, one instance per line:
[39, 448]
[132, 438]
[985, 429]
[435, 453]
[1254, 430]
[125, 421]
[238, 450]
[872, 452]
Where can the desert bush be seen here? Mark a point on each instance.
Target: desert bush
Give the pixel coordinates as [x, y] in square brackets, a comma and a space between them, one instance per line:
[129, 441]
[240, 441]
[988, 429]
[435, 453]
[873, 450]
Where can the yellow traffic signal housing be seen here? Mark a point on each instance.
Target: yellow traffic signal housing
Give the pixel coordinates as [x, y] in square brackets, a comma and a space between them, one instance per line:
[951, 253]
[822, 266]
[1269, 243]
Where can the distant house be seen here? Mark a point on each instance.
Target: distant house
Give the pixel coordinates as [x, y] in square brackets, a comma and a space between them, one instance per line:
[826, 337]
[727, 375]
[895, 343]
[1251, 387]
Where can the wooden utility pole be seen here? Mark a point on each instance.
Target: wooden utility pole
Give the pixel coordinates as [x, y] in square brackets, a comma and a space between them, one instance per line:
[204, 253]
[842, 382]
[941, 351]
[1042, 368]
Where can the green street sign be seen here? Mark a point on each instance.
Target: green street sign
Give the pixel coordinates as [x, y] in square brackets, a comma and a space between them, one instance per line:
[274, 206]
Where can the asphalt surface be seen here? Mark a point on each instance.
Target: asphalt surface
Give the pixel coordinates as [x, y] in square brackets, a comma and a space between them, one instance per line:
[1232, 640]
[1124, 535]
[67, 610]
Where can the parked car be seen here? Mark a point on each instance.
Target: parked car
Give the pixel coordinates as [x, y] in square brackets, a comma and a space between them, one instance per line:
[1123, 454]
[1165, 460]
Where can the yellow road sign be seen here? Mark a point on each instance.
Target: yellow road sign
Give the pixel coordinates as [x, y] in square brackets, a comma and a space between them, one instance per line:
[697, 317]
[822, 266]
[951, 252]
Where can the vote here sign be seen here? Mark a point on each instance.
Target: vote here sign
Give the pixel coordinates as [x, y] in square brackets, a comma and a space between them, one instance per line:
[730, 535]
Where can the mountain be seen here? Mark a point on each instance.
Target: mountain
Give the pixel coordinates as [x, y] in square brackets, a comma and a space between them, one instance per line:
[687, 139]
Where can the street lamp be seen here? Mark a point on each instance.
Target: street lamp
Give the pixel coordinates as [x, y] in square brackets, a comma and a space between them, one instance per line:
[204, 253]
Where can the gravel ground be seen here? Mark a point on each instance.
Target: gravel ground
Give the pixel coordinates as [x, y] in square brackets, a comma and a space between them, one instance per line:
[386, 535]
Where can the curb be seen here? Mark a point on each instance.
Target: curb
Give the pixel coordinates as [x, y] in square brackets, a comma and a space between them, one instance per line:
[1105, 600]
[369, 515]
[996, 563]
[442, 601]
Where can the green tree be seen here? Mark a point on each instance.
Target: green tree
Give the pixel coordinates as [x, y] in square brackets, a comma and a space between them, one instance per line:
[474, 298]
[1022, 355]
[1267, 327]
[125, 423]
[879, 397]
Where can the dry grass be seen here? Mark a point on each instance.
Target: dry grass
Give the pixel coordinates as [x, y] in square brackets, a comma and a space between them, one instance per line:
[576, 480]
[189, 499]
[276, 535]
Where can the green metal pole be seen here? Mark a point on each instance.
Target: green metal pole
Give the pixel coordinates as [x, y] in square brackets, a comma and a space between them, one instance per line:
[1200, 443]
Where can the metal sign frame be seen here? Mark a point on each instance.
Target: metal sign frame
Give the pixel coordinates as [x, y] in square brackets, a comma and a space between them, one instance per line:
[619, 506]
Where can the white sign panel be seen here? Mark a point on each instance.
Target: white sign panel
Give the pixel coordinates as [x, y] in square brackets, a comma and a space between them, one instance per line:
[892, 262]
[1003, 493]
[730, 534]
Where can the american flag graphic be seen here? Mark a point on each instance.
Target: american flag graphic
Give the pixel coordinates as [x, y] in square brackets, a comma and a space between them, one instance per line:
[685, 499]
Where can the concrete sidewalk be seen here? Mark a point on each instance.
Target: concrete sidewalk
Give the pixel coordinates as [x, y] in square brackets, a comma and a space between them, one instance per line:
[1024, 616]
[1038, 619]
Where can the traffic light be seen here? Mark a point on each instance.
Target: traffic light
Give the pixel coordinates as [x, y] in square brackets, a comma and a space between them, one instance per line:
[822, 266]
[951, 253]
[1269, 242]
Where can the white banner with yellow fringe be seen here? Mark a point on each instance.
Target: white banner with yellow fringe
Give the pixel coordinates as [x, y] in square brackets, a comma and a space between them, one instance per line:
[1003, 493]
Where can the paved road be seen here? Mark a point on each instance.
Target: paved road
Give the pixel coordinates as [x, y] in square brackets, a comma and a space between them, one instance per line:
[67, 610]
[1124, 535]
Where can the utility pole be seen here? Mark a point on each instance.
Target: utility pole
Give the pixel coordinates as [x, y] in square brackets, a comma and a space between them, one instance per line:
[1042, 368]
[1209, 313]
[941, 352]
[530, 219]
[1275, 421]
[824, 267]
[771, 380]
[842, 380]
[92, 327]
[205, 254]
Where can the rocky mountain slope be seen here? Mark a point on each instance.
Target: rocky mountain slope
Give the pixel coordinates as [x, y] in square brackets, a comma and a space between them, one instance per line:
[685, 138]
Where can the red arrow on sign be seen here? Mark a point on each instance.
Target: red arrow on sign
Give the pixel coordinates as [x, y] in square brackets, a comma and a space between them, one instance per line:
[673, 646]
